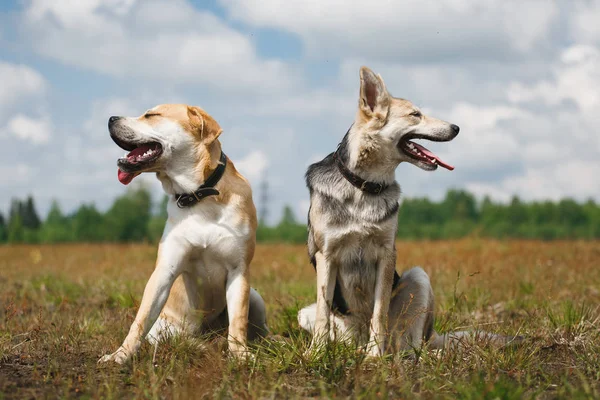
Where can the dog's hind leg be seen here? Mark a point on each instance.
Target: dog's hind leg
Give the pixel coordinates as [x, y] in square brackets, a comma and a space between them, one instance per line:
[257, 317]
[162, 330]
[411, 319]
[340, 326]
[411, 311]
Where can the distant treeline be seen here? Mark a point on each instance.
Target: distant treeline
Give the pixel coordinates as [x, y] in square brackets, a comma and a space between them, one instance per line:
[134, 218]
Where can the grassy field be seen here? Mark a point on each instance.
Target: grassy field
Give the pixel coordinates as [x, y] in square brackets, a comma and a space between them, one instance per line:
[61, 307]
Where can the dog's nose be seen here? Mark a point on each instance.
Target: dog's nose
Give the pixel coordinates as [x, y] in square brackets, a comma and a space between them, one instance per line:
[112, 120]
[455, 128]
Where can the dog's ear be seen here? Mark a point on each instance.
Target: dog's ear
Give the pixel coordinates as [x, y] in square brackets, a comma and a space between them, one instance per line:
[203, 125]
[374, 99]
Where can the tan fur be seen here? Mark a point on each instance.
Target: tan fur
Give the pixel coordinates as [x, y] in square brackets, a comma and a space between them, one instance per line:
[182, 267]
[205, 131]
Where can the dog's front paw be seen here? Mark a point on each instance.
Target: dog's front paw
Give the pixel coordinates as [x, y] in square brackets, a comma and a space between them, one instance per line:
[374, 350]
[315, 347]
[240, 353]
[121, 356]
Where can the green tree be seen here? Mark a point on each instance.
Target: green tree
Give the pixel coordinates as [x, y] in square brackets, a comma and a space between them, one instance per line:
[460, 205]
[156, 225]
[15, 210]
[492, 219]
[57, 228]
[288, 230]
[132, 217]
[16, 230]
[592, 212]
[88, 224]
[288, 217]
[127, 220]
[3, 229]
[29, 215]
[572, 218]
[420, 218]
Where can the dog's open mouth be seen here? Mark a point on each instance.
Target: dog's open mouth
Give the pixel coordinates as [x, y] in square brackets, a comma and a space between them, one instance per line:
[140, 157]
[418, 152]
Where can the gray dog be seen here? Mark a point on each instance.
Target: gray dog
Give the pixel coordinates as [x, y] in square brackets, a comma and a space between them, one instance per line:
[352, 227]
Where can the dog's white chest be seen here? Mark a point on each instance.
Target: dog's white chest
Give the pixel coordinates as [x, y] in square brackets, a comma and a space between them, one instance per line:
[214, 233]
[211, 236]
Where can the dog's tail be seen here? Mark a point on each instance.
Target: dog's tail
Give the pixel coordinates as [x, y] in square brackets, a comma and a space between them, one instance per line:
[460, 339]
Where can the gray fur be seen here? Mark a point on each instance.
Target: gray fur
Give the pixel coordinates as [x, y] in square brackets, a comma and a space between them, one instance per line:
[340, 202]
[351, 233]
[411, 312]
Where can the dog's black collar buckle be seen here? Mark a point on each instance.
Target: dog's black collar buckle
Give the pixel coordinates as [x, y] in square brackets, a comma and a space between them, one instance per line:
[206, 189]
[357, 181]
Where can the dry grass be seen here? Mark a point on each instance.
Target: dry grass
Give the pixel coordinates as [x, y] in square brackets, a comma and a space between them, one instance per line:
[61, 307]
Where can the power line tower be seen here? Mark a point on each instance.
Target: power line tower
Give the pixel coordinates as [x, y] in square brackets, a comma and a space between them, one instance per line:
[264, 202]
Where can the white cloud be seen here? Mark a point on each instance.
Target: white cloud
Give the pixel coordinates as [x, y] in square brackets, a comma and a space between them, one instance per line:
[162, 40]
[584, 24]
[102, 110]
[253, 165]
[11, 176]
[527, 106]
[21, 93]
[481, 118]
[409, 30]
[495, 191]
[34, 130]
[554, 146]
[309, 103]
[301, 210]
[569, 178]
[100, 151]
[18, 172]
[19, 82]
[315, 158]
[576, 78]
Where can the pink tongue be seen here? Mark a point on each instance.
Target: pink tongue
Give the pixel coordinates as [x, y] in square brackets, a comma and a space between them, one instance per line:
[431, 155]
[126, 177]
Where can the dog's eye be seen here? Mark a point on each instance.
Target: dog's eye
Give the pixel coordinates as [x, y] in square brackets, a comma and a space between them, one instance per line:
[148, 115]
[416, 114]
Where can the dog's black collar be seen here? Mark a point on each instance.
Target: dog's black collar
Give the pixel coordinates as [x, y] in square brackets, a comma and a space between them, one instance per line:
[357, 181]
[206, 189]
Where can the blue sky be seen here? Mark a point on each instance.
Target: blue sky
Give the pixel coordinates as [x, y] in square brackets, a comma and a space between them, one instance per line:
[521, 79]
